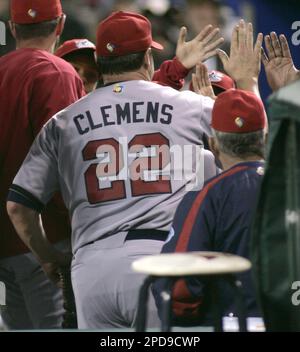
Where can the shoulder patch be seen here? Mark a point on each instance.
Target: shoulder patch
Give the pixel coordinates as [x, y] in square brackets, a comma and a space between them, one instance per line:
[118, 88]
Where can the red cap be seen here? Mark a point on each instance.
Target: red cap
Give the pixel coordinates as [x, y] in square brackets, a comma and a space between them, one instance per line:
[221, 80]
[218, 79]
[74, 45]
[124, 33]
[238, 111]
[34, 11]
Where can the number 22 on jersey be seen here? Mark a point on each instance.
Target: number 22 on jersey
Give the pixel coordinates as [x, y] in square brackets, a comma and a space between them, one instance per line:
[114, 162]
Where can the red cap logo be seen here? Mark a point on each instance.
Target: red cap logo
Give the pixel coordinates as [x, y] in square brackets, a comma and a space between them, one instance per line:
[221, 80]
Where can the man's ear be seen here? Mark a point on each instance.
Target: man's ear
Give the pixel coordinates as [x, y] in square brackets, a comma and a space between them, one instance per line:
[147, 58]
[12, 28]
[61, 25]
[214, 147]
[266, 137]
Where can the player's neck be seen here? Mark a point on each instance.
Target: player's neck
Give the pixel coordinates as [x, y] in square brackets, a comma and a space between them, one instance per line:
[128, 76]
[46, 44]
[228, 161]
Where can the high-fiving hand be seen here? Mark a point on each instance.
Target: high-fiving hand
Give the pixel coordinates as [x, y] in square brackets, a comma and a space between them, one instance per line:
[201, 83]
[278, 62]
[199, 49]
[244, 62]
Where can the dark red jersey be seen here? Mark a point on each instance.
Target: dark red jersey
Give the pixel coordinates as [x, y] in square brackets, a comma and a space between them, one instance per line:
[34, 85]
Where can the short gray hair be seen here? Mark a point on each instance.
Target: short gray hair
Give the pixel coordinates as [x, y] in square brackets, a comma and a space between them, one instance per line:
[241, 145]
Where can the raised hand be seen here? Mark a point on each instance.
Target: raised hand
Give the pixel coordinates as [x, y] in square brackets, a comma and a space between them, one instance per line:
[244, 62]
[199, 49]
[201, 82]
[278, 62]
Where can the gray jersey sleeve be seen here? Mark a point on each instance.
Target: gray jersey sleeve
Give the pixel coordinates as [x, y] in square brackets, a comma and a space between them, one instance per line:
[201, 107]
[38, 174]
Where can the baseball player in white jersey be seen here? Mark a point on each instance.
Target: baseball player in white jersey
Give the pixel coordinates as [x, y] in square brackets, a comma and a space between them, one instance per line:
[120, 188]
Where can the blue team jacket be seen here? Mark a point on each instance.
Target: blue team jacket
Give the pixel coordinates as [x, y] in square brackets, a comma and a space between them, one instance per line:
[217, 218]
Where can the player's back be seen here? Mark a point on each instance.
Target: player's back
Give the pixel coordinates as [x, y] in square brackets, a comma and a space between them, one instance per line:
[112, 175]
[27, 102]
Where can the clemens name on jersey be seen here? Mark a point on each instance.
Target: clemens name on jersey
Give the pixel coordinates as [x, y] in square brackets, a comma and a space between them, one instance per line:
[133, 112]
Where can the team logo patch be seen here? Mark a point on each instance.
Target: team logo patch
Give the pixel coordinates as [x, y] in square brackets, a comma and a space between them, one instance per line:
[260, 171]
[215, 77]
[32, 13]
[118, 88]
[110, 47]
[239, 122]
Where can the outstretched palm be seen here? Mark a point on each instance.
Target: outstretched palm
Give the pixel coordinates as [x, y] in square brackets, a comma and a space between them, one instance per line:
[201, 82]
[199, 49]
[244, 61]
[278, 62]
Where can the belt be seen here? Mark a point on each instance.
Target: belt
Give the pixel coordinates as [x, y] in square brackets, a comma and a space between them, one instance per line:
[146, 235]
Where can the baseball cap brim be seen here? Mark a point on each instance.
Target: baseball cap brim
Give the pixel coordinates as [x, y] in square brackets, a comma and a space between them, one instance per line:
[74, 45]
[66, 51]
[156, 46]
